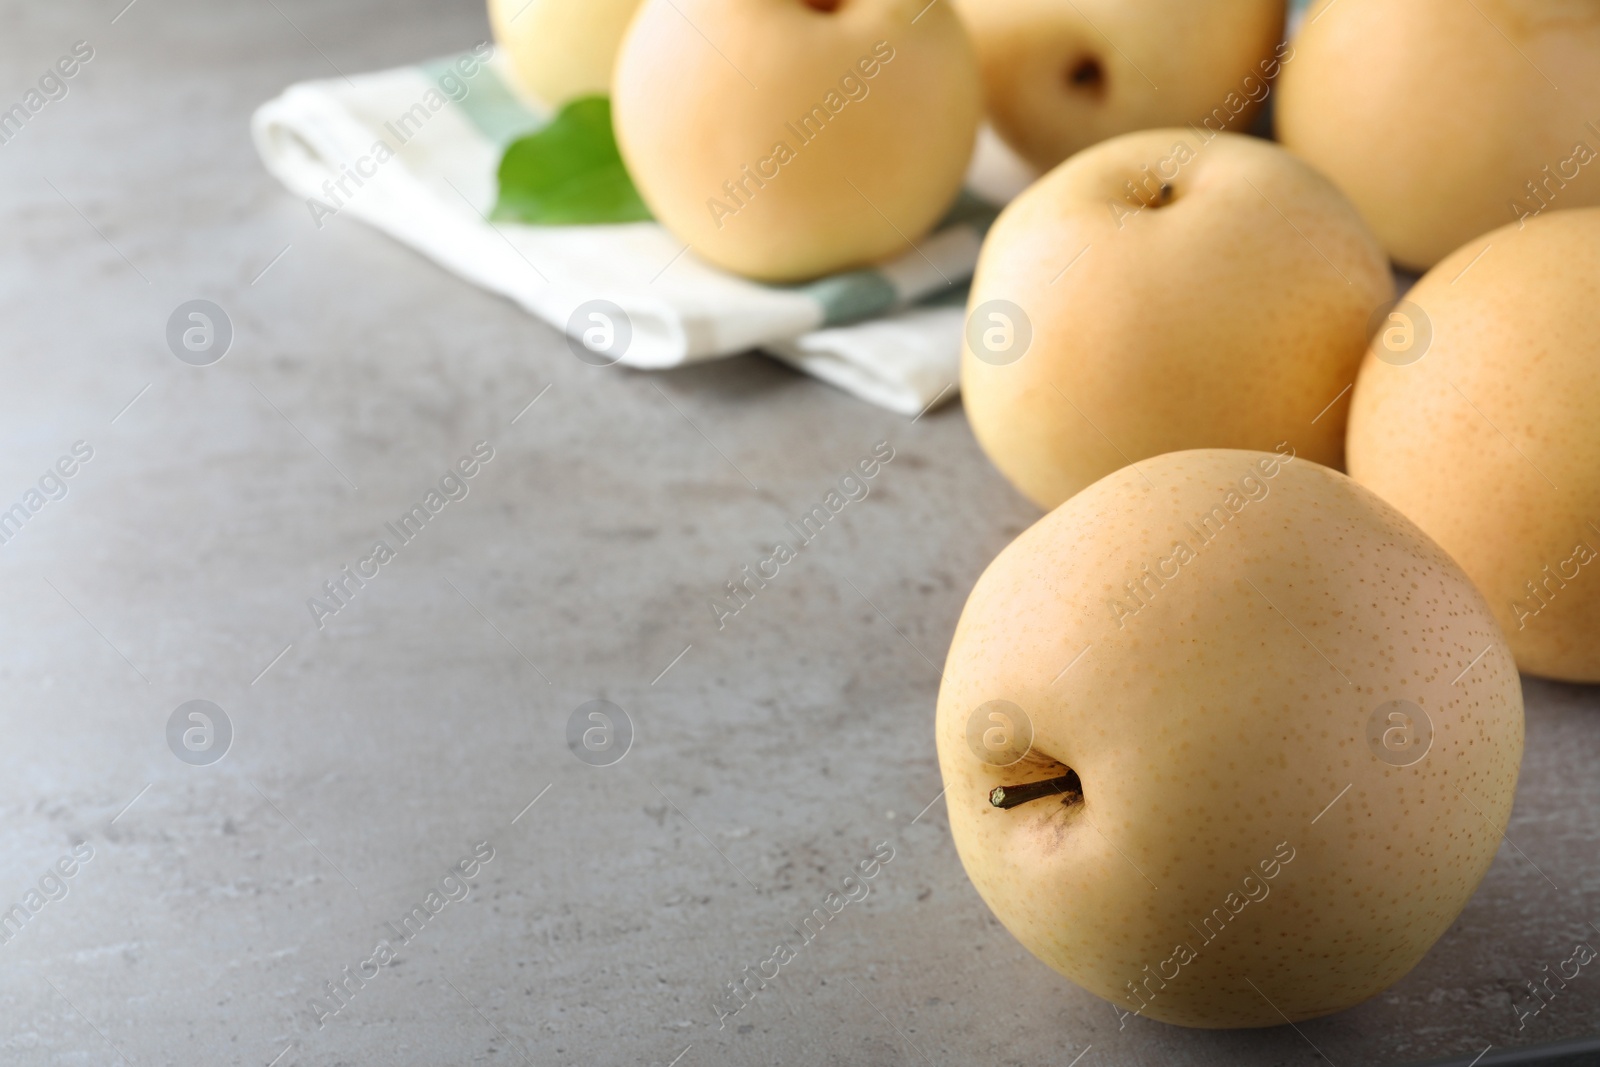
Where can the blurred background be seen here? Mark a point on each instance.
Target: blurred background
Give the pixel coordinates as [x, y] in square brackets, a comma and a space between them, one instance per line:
[349, 763]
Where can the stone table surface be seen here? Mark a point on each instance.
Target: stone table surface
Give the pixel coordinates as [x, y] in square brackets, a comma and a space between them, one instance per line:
[371, 754]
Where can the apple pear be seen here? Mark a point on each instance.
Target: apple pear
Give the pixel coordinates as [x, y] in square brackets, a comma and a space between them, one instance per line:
[1227, 740]
[560, 49]
[1475, 415]
[786, 139]
[1163, 291]
[1443, 120]
[1059, 77]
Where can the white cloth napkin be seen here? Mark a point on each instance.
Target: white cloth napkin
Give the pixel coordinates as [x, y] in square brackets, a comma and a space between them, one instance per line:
[331, 141]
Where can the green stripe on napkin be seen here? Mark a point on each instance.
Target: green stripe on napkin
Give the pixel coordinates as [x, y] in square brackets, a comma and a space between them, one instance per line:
[851, 296]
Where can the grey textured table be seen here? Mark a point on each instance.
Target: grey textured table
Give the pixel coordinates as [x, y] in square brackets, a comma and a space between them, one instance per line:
[375, 752]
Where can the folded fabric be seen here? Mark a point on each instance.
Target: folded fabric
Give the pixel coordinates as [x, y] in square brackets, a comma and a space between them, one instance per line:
[414, 152]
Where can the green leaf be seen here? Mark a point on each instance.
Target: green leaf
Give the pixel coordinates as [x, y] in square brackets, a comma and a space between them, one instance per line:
[569, 173]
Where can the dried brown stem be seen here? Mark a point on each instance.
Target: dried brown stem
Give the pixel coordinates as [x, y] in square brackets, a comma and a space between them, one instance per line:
[1009, 796]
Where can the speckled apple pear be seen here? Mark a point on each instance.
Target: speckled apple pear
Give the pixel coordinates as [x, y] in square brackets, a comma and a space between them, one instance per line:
[559, 49]
[1488, 438]
[786, 139]
[1182, 291]
[1293, 724]
[1444, 120]
[1059, 77]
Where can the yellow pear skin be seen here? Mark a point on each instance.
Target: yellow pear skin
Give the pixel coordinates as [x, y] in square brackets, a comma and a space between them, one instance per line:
[1059, 77]
[560, 49]
[1252, 832]
[1228, 311]
[786, 139]
[1485, 433]
[1444, 120]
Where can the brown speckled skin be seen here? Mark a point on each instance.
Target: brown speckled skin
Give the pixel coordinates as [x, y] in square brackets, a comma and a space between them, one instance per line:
[1432, 114]
[1174, 62]
[1210, 731]
[1491, 441]
[1206, 323]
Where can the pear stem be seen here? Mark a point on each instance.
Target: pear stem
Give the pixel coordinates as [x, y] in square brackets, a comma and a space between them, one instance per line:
[1009, 796]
